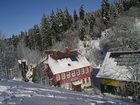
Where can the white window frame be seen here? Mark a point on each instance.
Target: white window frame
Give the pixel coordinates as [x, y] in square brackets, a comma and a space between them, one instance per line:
[87, 70]
[73, 73]
[87, 79]
[78, 72]
[82, 71]
[83, 81]
[68, 74]
[63, 76]
[58, 77]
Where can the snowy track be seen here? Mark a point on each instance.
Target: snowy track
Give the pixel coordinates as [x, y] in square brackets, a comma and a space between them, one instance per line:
[21, 93]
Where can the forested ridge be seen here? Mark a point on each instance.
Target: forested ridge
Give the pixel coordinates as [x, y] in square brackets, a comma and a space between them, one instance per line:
[53, 28]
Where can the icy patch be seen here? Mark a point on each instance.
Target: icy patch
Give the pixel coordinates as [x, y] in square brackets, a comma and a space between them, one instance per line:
[23, 95]
[111, 102]
[17, 79]
[50, 95]
[100, 102]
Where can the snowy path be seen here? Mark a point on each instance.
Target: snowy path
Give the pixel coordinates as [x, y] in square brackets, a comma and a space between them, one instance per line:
[21, 93]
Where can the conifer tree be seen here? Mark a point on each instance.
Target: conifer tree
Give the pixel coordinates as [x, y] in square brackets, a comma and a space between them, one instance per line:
[67, 20]
[26, 39]
[86, 22]
[91, 21]
[75, 16]
[46, 39]
[55, 28]
[82, 33]
[22, 34]
[52, 15]
[105, 10]
[15, 40]
[37, 37]
[82, 12]
[58, 23]
[31, 39]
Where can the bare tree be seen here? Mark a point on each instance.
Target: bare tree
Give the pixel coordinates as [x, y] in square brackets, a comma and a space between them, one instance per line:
[133, 84]
[8, 58]
[31, 58]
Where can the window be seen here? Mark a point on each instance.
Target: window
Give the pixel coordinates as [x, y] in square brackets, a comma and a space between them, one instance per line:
[58, 77]
[87, 80]
[73, 58]
[82, 71]
[83, 81]
[73, 73]
[87, 69]
[78, 72]
[63, 75]
[68, 74]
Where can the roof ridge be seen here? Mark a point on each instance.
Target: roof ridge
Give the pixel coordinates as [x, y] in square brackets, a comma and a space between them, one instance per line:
[125, 51]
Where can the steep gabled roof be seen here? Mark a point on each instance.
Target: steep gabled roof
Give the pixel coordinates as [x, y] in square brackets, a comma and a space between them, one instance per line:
[66, 61]
[60, 55]
[120, 66]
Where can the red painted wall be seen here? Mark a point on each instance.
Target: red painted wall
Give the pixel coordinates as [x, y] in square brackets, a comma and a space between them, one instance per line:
[77, 77]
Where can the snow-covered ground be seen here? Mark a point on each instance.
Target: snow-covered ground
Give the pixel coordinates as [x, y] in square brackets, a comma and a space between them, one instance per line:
[20, 93]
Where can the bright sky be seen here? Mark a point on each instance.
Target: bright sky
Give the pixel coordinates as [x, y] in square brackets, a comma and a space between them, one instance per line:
[20, 15]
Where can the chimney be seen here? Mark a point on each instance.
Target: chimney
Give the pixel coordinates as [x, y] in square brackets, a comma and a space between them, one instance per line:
[68, 50]
[55, 55]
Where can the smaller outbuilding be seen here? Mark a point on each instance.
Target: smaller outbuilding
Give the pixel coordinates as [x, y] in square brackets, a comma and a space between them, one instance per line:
[120, 73]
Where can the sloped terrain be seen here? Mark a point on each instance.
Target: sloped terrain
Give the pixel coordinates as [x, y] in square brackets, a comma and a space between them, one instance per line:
[21, 93]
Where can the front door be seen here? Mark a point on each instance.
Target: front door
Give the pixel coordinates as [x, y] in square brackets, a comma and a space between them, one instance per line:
[76, 87]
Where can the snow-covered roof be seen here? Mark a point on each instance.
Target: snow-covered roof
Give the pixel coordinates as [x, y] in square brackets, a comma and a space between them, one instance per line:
[66, 64]
[19, 61]
[23, 60]
[120, 66]
[76, 83]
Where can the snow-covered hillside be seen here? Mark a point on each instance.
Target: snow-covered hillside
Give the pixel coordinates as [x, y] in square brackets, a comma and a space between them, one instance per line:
[21, 93]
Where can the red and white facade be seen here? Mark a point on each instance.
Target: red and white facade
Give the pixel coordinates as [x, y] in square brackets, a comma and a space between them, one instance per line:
[68, 70]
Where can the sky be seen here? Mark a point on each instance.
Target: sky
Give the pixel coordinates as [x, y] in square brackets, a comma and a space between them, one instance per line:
[20, 15]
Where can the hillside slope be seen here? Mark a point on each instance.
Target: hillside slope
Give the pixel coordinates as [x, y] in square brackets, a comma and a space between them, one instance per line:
[21, 93]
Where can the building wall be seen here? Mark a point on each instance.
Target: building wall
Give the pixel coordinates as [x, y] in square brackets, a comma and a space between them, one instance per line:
[66, 86]
[63, 78]
[110, 82]
[112, 86]
[66, 80]
[86, 82]
[95, 81]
